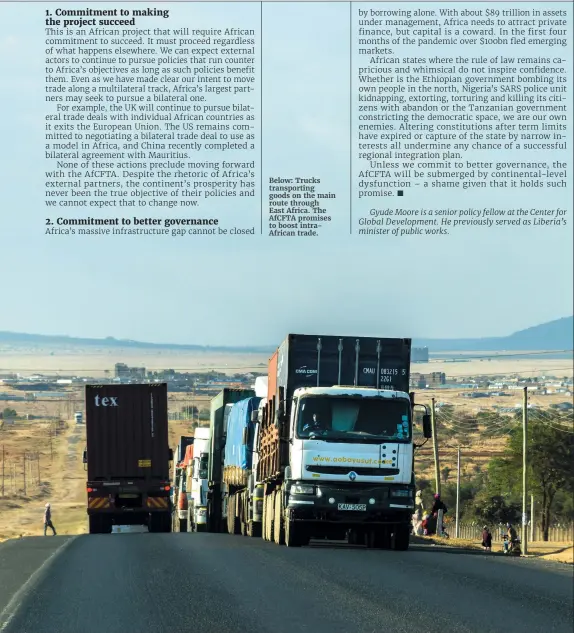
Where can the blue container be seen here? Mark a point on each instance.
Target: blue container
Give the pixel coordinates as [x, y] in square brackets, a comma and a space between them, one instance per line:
[238, 455]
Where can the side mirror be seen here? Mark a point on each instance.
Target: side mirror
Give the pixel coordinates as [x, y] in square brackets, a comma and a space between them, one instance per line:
[244, 437]
[427, 427]
[255, 416]
[85, 457]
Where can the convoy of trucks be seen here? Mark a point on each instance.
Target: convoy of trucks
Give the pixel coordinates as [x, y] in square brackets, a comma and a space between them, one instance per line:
[327, 452]
[322, 447]
[127, 456]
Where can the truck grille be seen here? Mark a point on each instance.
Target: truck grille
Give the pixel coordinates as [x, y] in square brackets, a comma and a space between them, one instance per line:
[345, 470]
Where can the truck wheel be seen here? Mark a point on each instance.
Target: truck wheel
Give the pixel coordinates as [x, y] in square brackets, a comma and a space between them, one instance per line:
[269, 518]
[254, 530]
[294, 534]
[352, 537]
[95, 524]
[235, 522]
[279, 528]
[401, 538]
[166, 522]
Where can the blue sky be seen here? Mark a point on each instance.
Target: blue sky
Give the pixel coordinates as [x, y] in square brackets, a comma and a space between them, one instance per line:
[253, 290]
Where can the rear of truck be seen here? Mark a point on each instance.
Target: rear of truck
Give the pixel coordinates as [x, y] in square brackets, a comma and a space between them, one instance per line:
[128, 457]
[336, 451]
[219, 411]
[243, 505]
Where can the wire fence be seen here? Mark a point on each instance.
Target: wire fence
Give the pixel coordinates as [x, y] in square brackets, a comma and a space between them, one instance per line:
[20, 474]
[556, 534]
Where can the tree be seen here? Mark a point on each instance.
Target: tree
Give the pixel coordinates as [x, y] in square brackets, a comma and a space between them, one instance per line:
[494, 509]
[550, 458]
[444, 473]
[9, 413]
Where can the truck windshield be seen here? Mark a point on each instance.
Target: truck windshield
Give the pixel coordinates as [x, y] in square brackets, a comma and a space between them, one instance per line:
[353, 419]
[203, 463]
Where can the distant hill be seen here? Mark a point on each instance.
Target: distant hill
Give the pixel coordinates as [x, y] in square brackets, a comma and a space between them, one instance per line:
[555, 335]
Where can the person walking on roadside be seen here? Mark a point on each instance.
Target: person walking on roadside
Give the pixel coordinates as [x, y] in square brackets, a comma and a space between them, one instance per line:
[486, 539]
[48, 520]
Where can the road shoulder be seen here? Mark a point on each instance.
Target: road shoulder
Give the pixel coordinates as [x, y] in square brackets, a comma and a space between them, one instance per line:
[22, 562]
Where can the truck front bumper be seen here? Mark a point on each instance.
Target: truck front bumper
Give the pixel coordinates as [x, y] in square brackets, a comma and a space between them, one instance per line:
[351, 505]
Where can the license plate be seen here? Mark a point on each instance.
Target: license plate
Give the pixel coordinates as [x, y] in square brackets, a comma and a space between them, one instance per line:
[128, 496]
[352, 506]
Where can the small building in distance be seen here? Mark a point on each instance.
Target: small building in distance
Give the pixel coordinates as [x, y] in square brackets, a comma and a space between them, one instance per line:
[121, 370]
[420, 355]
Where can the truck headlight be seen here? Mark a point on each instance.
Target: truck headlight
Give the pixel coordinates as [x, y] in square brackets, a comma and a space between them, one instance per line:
[302, 489]
[400, 493]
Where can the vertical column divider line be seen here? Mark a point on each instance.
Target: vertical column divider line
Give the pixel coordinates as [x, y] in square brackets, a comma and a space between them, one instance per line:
[350, 117]
[261, 110]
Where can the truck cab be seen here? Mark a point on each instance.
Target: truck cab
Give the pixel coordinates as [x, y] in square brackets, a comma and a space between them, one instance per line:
[198, 481]
[350, 469]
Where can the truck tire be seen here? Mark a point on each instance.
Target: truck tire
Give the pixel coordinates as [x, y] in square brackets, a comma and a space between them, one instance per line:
[378, 538]
[295, 535]
[279, 529]
[154, 522]
[401, 538]
[107, 524]
[254, 530]
[95, 524]
[165, 522]
[269, 519]
[352, 537]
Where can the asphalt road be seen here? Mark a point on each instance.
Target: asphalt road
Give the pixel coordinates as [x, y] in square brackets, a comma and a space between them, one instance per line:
[169, 583]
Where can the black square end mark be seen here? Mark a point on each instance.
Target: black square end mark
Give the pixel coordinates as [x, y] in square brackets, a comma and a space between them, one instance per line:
[400, 193]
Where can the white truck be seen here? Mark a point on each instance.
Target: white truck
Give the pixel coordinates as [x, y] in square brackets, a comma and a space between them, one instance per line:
[197, 480]
[334, 442]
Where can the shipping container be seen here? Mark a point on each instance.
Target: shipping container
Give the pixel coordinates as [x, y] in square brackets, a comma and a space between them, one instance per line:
[239, 442]
[127, 456]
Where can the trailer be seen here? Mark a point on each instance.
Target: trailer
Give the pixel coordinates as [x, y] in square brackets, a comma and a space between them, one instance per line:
[127, 457]
[243, 498]
[219, 412]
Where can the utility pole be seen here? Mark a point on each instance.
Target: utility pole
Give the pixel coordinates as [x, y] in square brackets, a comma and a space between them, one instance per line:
[525, 473]
[531, 518]
[457, 528]
[24, 474]
[435, 450]
[3, 462]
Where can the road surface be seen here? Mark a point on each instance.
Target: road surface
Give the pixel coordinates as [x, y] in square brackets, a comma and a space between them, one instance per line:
[169, 583]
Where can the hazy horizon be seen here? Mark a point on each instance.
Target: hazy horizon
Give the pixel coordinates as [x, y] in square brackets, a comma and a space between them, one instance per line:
[262, 343]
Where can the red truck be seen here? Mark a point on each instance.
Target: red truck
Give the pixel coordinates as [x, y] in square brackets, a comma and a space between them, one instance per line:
[128, 457]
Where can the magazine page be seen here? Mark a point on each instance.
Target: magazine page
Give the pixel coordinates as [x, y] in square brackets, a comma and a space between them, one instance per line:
[286, 316]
